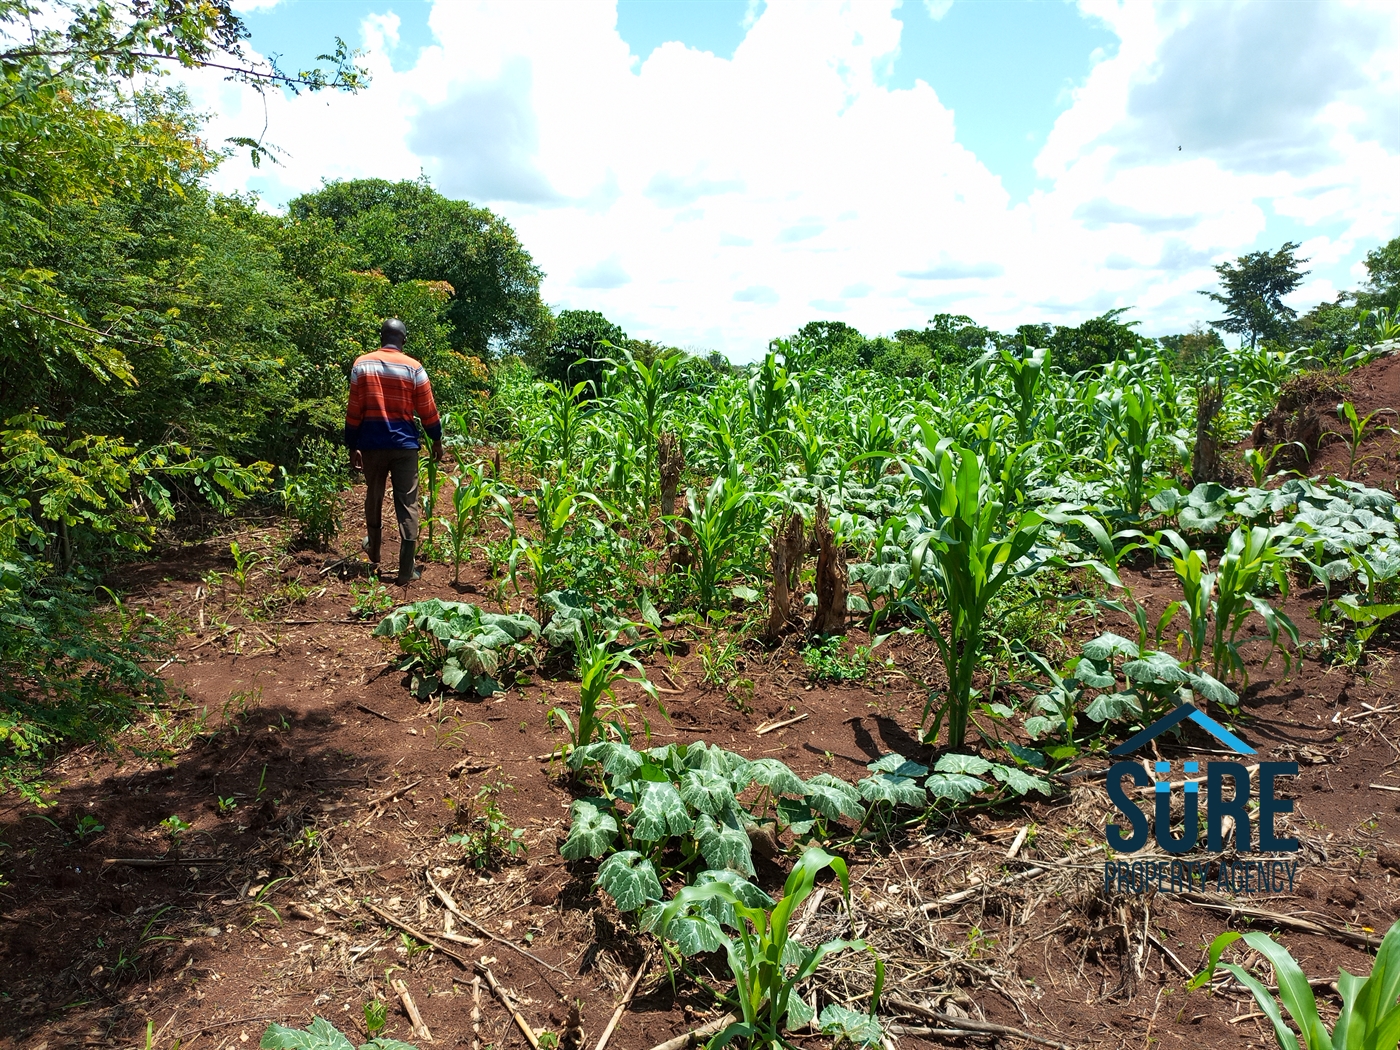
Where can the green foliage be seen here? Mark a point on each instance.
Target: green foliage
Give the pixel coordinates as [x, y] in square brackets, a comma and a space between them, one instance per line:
[1217, 604]
[456, 646]
[409, 232]
[376, 1016]
[1369, 1018]
[1254, 286]
[579, 337]
[684, 798]
[600, 668]
[311, 496]
[1357, 428]
[1383, 269]
[369, 599]
[484, 833]
[1097, 341]
[723, 529]
[322, 1035]
[967, 553]
[825, 663]
[71, 670]
[766, 962]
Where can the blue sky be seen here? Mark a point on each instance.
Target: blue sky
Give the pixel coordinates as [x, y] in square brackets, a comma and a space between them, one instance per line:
[714, 174]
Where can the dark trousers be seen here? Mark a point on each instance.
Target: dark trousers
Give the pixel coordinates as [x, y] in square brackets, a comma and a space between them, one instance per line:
[401, 464]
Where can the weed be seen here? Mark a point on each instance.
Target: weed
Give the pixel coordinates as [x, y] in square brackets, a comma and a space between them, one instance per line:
[1356, 430]
[485, 835]
[719, 665]
[244, 563]
[369, 599]
[311, 496]
[825, 663]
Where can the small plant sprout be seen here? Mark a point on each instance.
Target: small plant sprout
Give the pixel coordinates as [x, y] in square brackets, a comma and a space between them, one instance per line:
[87, 827]
[376, 1017]
[226, 804]
[175, 828]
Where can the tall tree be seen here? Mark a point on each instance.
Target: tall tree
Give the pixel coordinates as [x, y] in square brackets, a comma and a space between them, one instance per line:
[1383, 288]
[1253, 287]
[408, 231]
[572, 355]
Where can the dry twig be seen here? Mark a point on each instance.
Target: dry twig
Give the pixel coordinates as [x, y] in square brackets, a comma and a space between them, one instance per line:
[452, 906]
[420, 1027]
[622, 1004]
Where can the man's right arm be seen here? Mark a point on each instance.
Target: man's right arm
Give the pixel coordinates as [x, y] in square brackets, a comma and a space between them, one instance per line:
[354, 415]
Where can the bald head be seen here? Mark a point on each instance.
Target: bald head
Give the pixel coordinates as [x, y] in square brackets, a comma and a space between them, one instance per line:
[393, 333]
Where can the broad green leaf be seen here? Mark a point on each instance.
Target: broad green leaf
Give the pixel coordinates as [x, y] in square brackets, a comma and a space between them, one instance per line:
[957, 787]
[1088, 673]
[722, 910]
[795, 814]
[629, 879]
[659, 812]
[898, 791]
[724, 844]
[845, 1023]
[773, 775]
[799, 1012]
[1214, 690]
[707, 791]
[592, 830]
[1019, 781]
[833, 798]
[897, 765]
[617, 759]
[693, 934]
[1029, 755]
[1039, 724]
[319, 1035]
[1156, 668]
[1109, 707]
[1108, 645]
[954, 763]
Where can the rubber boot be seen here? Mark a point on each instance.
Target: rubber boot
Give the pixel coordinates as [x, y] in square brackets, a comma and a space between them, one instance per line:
[371, 547]
[408, 572]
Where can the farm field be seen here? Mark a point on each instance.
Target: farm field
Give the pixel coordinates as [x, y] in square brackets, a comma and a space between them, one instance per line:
[327, 788]
[1018, 680]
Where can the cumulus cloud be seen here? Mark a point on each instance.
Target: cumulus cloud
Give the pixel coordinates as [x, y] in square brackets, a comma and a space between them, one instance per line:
[735, 197]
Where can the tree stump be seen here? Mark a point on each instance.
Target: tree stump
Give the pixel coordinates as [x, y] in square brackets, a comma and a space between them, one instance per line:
[670, 461]
[787, 547]
[832, 577]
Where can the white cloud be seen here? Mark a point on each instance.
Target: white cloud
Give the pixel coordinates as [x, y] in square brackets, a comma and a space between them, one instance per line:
[720, 202]
[937, 8]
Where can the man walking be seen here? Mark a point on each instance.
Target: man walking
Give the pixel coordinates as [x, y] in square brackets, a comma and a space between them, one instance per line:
[387, 388]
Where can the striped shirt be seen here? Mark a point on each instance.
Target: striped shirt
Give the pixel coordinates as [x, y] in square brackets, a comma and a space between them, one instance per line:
[386, 388]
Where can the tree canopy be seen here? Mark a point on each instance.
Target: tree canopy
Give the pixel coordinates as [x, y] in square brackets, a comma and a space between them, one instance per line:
[408, 231]
[1253, 287]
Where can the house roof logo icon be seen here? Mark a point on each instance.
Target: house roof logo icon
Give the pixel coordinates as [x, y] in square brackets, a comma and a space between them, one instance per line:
[1185, 711]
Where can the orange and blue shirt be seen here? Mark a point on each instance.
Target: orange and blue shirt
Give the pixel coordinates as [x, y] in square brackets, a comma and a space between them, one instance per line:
[387, 388]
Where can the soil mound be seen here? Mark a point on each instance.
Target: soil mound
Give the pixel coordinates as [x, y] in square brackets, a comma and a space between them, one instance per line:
[1310, 437]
